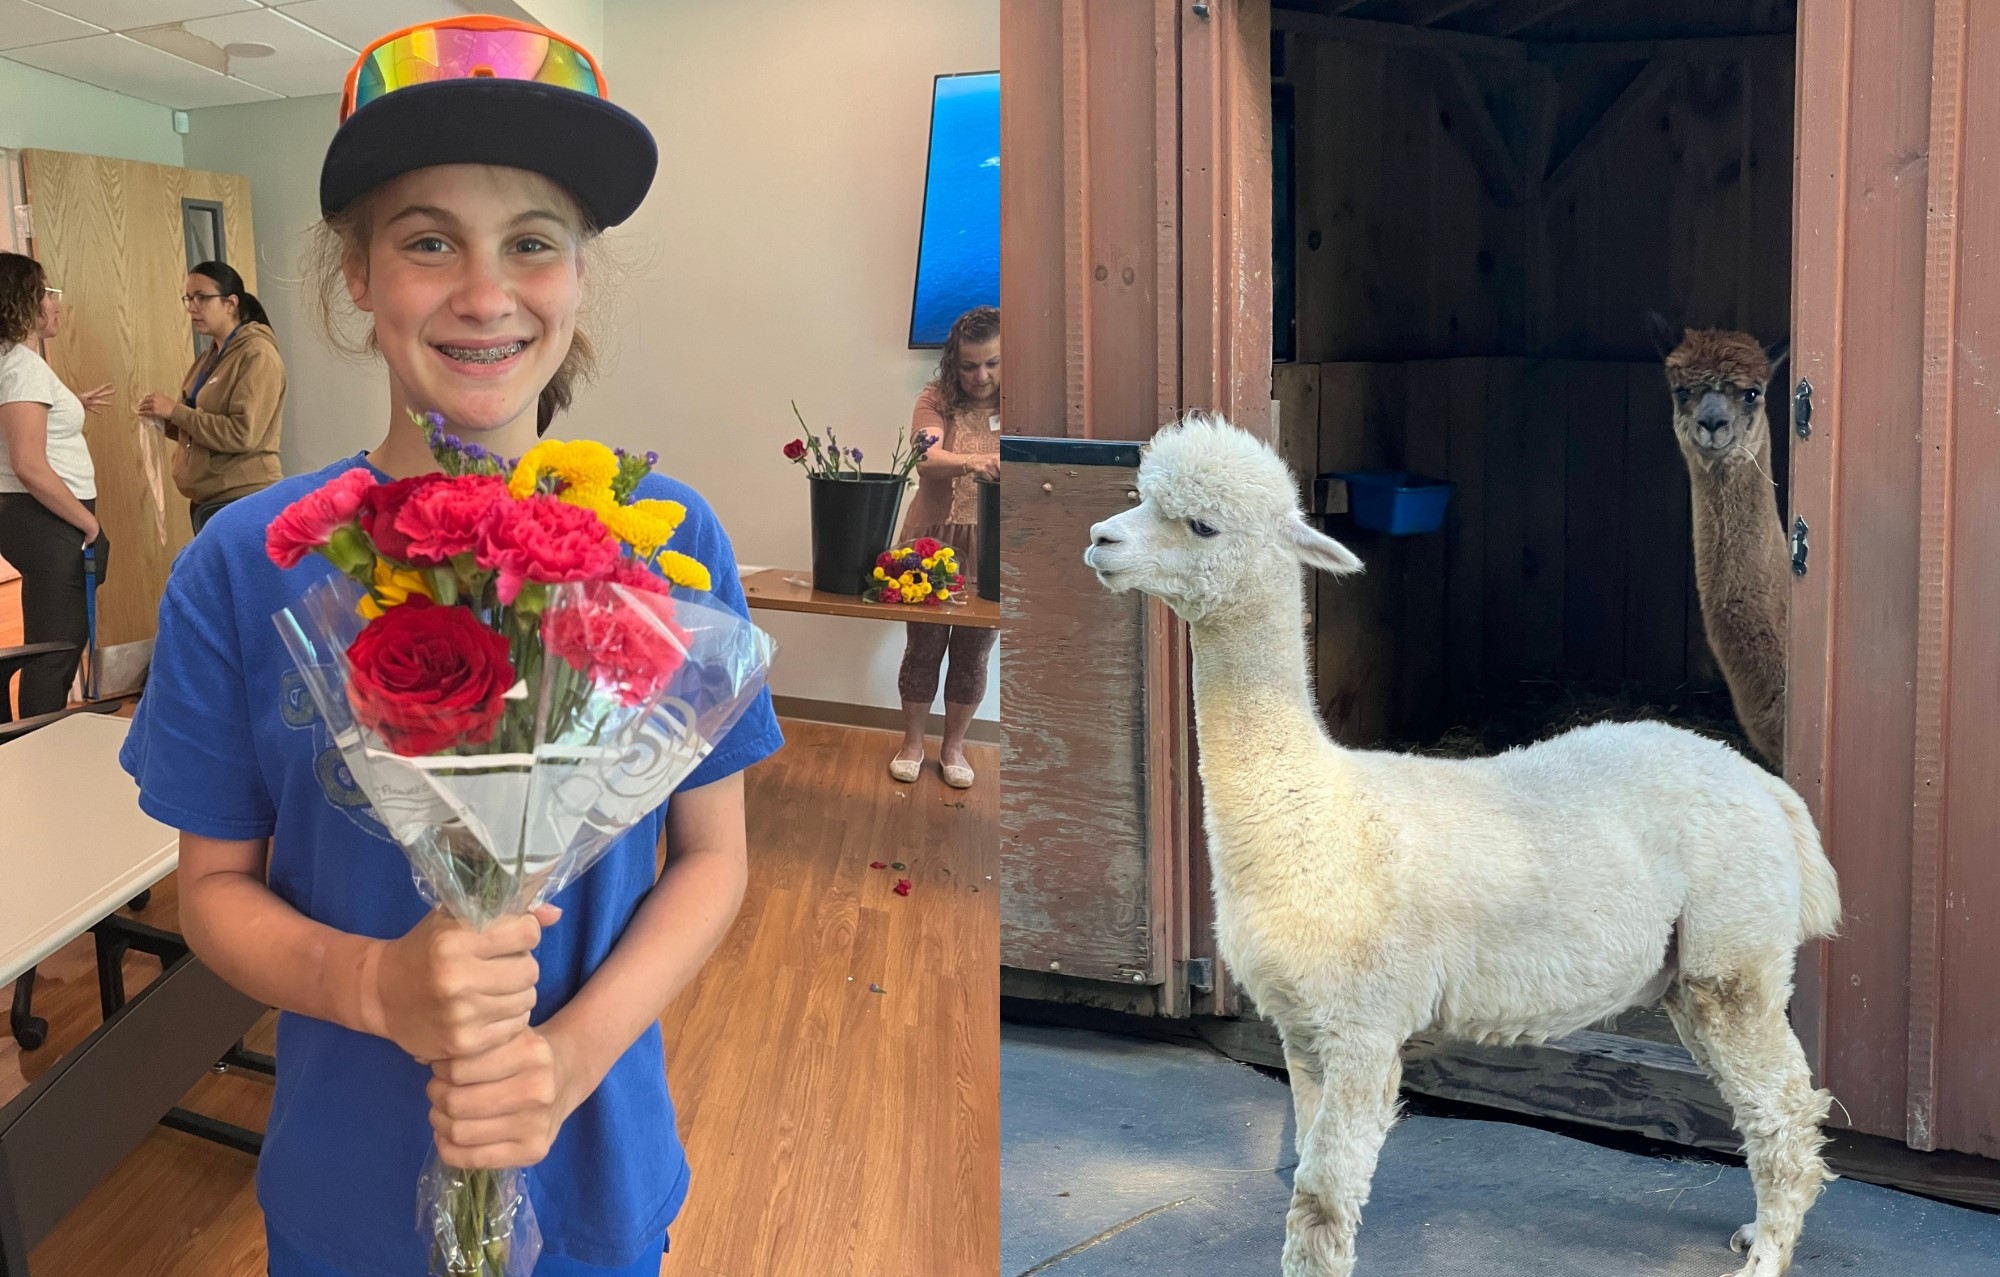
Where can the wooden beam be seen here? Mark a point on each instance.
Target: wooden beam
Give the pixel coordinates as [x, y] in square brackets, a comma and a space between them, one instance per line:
[1396, 36]
[1519, 15]
[1425, 12]
[1478, 132]
[1730, 48]
[1638, 97]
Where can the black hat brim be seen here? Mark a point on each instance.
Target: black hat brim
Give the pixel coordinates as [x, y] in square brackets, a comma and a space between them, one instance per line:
[598, 152]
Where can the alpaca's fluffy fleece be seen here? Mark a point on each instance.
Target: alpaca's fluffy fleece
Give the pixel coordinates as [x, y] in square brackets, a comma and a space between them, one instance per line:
[1364, 897]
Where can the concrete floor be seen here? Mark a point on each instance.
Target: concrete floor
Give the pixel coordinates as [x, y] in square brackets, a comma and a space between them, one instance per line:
[1125, 1156]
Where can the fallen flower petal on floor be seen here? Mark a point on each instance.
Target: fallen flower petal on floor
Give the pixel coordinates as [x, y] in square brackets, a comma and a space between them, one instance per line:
[902, 886]
[878, 864]
[899, 866]
[876, 988]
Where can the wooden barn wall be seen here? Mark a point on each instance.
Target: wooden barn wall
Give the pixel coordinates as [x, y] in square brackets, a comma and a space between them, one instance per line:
[1451, 204]
[1566, 554]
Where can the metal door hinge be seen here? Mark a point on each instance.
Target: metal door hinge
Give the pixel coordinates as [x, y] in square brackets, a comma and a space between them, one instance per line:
[1201, 974]
[1802, 409]
[1799, 547]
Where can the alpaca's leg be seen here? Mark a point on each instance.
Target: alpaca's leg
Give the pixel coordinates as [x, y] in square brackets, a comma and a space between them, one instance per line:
[1735, 1027]
[1357, 1105]
[1302, 1064]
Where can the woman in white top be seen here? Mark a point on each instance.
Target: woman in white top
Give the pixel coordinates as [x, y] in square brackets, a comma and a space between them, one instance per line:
[48, 488]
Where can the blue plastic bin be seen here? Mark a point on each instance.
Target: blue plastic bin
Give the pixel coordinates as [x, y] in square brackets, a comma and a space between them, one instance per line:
[1396, 502]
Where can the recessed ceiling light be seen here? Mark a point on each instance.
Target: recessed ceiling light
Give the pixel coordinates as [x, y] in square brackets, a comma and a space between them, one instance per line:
[248, 49]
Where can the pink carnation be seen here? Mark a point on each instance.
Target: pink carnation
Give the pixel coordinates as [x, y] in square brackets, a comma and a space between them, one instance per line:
[633, 576]
[544, 540]
[629, 649]
[307, 524]
[443, 518]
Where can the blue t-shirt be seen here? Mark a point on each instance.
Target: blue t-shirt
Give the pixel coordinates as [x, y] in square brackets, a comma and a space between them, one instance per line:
[227, 744]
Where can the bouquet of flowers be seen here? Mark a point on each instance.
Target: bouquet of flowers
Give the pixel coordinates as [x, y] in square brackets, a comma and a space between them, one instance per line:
[924, 574]
[516, 671]
[832, 461]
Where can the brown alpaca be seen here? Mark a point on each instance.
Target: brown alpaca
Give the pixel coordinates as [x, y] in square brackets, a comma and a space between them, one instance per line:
[1742, 565]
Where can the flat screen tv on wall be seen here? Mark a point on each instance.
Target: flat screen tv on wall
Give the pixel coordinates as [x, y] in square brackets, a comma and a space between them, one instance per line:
[958, 249]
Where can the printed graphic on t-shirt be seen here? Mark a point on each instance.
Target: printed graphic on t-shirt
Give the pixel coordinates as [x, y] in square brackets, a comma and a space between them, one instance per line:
[335, 780]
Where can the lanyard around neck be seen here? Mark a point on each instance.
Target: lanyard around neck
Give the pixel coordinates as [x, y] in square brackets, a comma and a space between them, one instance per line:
[201, 378]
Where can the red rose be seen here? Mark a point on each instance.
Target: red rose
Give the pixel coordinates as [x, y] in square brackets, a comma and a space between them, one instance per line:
[381, 505]
[628, 645]
[885, 560]
[795, 449]
[305, 525]
[441, 519]
[925, 547]
[546, 541]
[425, 678]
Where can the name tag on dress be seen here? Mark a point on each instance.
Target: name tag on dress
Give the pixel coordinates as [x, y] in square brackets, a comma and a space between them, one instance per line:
[993, 423]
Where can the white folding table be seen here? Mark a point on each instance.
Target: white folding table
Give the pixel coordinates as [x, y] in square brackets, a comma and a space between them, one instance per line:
[74, 848]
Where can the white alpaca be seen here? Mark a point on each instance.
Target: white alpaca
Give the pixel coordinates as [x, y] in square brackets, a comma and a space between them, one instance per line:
[1364, 897]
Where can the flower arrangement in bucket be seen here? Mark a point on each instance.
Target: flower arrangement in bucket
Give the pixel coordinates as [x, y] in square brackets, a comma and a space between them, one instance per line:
[517, 671]
[923, 573]
[853, 510]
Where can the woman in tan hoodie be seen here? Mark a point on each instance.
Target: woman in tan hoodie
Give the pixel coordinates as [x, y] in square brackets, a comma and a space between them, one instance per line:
[232, 402]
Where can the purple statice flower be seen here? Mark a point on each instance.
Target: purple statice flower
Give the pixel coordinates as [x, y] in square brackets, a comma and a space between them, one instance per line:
[652, 458]
[855, 453]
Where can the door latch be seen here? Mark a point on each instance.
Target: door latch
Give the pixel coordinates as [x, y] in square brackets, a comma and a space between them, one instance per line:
[1802, 409]
[1201, 974]
[1799, 547]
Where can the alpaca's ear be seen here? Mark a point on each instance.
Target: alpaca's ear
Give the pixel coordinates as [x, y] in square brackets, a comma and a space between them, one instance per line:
[1778, 354]
[1315, 549]
[1665, 336]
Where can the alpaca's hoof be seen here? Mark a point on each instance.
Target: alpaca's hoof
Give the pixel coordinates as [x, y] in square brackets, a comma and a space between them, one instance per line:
[1743, 1239]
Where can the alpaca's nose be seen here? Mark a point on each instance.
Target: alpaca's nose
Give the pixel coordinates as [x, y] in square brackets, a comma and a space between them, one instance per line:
[1102, 536]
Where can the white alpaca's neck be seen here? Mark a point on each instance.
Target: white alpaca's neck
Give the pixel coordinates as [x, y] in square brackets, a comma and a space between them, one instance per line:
[1255, 720]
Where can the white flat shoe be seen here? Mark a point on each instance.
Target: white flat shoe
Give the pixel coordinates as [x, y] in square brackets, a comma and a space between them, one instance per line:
[906, 769]
[958, 777]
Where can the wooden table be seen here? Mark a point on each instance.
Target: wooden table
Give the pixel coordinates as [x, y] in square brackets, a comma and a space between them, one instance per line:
[74, 848]
[790, 590]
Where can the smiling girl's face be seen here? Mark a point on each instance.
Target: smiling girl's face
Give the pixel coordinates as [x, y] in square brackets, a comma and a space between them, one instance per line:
[473, 276]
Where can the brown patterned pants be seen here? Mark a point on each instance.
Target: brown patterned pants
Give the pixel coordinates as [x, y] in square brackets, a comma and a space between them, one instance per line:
[965, 682]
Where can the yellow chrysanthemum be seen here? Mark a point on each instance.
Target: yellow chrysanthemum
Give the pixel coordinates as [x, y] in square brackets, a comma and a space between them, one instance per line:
[393, 588]
[595, 497]
[880, 575]
[944, 595]
[645, 525]
[683, 571]
[581, 463]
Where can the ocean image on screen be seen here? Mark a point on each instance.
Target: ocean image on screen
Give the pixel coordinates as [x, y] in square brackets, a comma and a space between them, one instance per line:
[958, 254]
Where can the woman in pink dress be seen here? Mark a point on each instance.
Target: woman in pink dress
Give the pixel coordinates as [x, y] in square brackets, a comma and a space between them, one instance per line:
[959, 412]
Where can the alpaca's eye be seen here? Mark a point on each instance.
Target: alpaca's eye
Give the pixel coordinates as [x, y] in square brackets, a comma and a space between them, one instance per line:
[1200, 529]
[1750, 397]
[1681, 396]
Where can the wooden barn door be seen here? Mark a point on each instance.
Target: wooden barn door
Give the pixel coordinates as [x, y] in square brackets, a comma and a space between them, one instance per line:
[1896, 617]
[1136, 213]
[118, 236]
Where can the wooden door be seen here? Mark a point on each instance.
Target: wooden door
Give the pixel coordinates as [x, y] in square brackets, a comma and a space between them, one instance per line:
[1895, 662]
[110, 233]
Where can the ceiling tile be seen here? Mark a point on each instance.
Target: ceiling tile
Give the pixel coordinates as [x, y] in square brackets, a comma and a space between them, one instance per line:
[23, 24]
[119, 15]
[304, 62]
[356, 23]
[137, 70]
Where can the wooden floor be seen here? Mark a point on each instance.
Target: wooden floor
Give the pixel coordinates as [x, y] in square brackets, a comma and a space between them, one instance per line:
[833, 1130]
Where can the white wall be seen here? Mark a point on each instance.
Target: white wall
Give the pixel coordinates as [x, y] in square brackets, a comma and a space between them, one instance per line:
[776, 258]
[793, 137]
[47, 112]
[334, 406]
